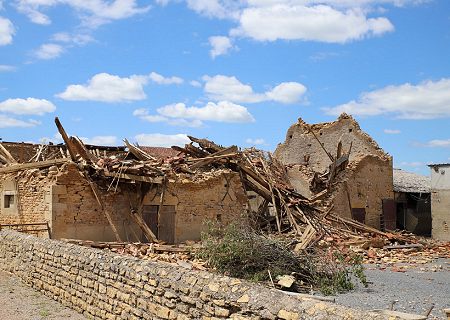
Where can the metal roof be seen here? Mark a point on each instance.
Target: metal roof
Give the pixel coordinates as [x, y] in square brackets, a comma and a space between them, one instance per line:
[410, 182]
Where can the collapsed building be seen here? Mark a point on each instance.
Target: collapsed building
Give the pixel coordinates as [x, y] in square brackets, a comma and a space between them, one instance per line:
[346, 162]
[135, 193]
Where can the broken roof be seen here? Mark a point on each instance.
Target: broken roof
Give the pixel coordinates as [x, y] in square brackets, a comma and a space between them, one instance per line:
[410, 182]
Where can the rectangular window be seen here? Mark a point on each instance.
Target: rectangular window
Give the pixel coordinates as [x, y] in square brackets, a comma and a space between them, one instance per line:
[8, 201]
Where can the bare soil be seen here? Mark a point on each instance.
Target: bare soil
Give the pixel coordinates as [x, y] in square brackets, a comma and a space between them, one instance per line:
[20, 302]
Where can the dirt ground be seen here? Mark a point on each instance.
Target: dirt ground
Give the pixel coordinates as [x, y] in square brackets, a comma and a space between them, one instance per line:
[20, 302]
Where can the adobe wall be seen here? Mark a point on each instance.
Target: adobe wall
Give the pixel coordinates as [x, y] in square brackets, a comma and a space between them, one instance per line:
[104, 285]
[369, 181]
[196, 201]
[300, 143]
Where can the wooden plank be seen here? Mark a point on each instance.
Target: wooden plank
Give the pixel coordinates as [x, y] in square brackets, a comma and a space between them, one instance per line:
[41, 147]
[227, 151]
[83, 151]
[34, 165]
[102, 205]
[128, 176]
[8, 156]
[140, 154]
[69, 145]
[161, 202]
[147, 232]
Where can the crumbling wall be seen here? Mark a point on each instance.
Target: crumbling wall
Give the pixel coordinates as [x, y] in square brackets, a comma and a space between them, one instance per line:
[368, 181]
[104, 285]
[215, 197]
[30, 191]
[300, 143]
[77, 214]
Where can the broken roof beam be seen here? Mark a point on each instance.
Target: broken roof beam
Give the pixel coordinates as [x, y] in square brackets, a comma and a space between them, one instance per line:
[66, 139]
[7, 156]
[83, 151]
[139, 153]
[34, 165]
[127, 176]
[210, 146]
[227, 152]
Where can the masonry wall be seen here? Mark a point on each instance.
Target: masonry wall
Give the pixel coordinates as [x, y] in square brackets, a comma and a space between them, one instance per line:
[104, 285]
[216, 197]
[440, 202]
[369, 181]
[300, 142]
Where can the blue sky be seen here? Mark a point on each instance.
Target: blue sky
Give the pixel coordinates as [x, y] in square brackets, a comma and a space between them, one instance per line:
[236, 72]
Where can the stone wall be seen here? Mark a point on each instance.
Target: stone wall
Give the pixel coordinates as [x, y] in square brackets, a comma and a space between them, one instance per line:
[104, 285]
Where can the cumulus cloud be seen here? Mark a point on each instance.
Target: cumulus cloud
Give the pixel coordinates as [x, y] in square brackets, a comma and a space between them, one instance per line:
[30, 106]
[7, 68]
[105, 87]
[49, 51]
[6, 31]
[256, 141]
[390, 131]
[220, 45]
[92, 12]
[159, 79]
[222, 9]
[318, 23]
[427, 100]
[143, 114]
[335, 3]
[140, 112]
[223, 111]
[9, 122]
[433, 144]
[222, 87]
[161, 140]
[409, 164]
[195, 83]
[101, 141]
[79, 39]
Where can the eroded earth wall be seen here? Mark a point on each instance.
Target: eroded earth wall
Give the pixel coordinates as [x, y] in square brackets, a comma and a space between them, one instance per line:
[104, 285]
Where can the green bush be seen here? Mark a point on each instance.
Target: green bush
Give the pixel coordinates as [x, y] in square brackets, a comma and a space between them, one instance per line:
[244, 254]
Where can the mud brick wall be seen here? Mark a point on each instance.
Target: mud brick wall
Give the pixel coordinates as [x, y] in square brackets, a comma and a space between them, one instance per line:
[104, 285]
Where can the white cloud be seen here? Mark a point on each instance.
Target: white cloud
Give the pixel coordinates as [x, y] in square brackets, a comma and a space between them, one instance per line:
[409, 164]
[433, 144]
[105, 87]
[30, 106]
[153, 118]
[6, 31]
[159, 79]
[335, 3]
[195, 83]
[389, 131]
[184, 123]
[92, 12]
[7, 68]
[221, 9]
[101, 140]
[49, 51]
[318, 23]
[8, 122]
[140, 112]
[79, 39]
[427, 100]
[222, 87]
[256, 141]
[220, 45]
[161, 140]
[223, 111]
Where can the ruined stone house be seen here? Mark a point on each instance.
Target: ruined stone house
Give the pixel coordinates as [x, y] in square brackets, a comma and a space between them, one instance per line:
[59, 191]
[356, 170]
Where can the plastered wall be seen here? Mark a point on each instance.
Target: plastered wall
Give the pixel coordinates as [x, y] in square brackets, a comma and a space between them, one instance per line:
[440, 202]
[104, 285]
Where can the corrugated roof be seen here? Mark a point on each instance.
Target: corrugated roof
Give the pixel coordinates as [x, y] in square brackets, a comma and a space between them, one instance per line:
[411, 182]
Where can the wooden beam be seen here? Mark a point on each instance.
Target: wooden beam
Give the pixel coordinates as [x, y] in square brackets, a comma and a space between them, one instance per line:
[41, 147]
[34, 165]
[83, 151]
[69, 145]
[230, 151]
[102, 205]
[140, 154]
[147, 232]
[161, 201]
[128, 176]
[8, 155]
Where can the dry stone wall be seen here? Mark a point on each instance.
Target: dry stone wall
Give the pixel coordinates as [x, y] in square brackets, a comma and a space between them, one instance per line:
[104, 285]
